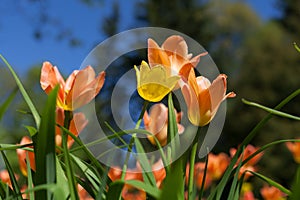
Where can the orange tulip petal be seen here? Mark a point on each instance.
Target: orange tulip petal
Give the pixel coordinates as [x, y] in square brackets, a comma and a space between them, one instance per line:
[156, 55]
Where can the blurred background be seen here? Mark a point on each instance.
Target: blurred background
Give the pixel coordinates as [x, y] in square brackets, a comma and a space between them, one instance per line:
[250, 41]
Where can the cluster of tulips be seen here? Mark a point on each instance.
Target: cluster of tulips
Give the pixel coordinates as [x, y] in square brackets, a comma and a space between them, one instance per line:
[170, 67]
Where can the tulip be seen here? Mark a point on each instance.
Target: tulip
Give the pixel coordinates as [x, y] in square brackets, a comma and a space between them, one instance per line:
[79, 89]
[5, 178]
[22, 156]
[156, 122]
[246, 192]
[174, 55]
[294, 148]
[272, 193]
[153, 84]
[130, 192]
[77, 124]
[217, 164]
[199, 175]
[204, 98]
[250, 165]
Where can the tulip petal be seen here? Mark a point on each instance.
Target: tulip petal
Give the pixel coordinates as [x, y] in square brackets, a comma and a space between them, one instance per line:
[156, 55]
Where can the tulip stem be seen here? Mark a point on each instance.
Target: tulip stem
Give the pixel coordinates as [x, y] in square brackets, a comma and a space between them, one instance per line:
[138, 123]
[192, 166]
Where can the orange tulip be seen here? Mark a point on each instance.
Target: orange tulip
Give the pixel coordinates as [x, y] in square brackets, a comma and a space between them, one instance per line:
[217, 165]
[272, 193]
[22, 156]
[156, 122]
[250, 165]
[294, 148]
[83, 194]
[79, 89]
[5, 178]
[130, 192]
[204, 98]
[173, 54]
[77, 124]
[198, 175]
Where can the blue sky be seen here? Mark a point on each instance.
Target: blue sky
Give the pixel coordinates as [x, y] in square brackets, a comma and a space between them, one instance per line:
[19, 47]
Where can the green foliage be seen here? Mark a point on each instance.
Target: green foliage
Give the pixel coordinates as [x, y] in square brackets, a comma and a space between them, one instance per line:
[45, 156]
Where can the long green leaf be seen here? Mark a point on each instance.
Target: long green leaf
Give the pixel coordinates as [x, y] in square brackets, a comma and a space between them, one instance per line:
[151, 190]
[144, 162]
[271, 182]
[68, 162]
[270, 110]
[6, 103]
[12, 177]
[296, 185]
[172, 136]
[115, 190]
[29, 178]
[45, 157]
[26, 97]
[219, 189]
[61, 180]
[173, 187]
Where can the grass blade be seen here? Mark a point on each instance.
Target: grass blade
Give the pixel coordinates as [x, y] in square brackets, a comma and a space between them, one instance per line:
[6, 103]
[173, 187]
[12, 177]
[29, 178]
[271, 182]
[26, 97]
[296, 185]
[270, 110]
[45, 157]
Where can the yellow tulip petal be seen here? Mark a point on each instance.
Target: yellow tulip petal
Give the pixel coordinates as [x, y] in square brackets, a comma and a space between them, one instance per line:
[153, 84]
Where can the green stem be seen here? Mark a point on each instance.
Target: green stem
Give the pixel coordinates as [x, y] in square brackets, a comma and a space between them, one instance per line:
[69, 168]
[138, 123]
[192, 166]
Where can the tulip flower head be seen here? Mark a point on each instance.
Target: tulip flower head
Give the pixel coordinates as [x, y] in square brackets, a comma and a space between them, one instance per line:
[22, 156]
[153, 84]
[272, 193]
[77, 124]
[204, 98]
[129, 192]
[79, 89]
[173, 54]
[250, 165]
[294, 148]
[156, 122]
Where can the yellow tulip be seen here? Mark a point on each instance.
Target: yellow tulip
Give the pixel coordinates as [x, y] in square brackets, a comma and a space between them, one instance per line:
[153, 84]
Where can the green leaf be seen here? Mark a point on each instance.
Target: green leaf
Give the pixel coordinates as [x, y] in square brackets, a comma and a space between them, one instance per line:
[173, 187]
[26, 97]
[29, 177]
[67, 158]
[115, 190]
[296, 185]
[32, 130]
[6, 103]
[144, 162]
[12, 177]
[271, 182]
[173, 137]
[151, 190]
[85, 169]
[61, 180]
[45, 157]
[270, 110]
[220, 188]
[234, 185]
